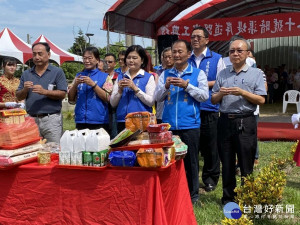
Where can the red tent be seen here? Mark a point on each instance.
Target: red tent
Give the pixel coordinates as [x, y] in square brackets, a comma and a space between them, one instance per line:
[144, 17]
[237, 8]
[57, 54]
[12, 45]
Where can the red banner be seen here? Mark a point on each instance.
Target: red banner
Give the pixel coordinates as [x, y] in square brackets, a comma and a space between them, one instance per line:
[251, 27]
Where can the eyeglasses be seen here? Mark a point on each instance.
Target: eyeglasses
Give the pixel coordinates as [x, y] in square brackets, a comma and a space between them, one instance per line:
[109, 61]
[88, 58]
[197, 36]
[239, 51]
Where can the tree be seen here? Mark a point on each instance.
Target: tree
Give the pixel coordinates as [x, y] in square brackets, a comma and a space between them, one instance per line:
[114, 48]
[79, 45]
[71, 69]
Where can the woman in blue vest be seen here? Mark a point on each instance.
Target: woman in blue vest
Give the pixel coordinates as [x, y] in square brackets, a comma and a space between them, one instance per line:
[134, 89]
[87, 91]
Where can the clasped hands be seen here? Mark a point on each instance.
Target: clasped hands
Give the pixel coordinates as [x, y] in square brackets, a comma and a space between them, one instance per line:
[35, 88]
[126, 83]
[84, 79]
[176, 82]
[14, 105]
[231, 91]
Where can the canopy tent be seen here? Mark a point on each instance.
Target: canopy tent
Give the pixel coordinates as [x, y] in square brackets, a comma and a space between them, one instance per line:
[57, 54]
[130, 16]
[235, 8]
[143, 17]
[12, 45]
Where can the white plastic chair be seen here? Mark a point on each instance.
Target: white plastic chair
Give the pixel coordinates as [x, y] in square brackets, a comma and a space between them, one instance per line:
[292, 97]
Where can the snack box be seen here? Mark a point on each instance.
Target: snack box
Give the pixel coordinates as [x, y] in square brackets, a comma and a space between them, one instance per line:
[139, 120]
[122, 158]
[157, 128]
[162, 137]
[150, 157]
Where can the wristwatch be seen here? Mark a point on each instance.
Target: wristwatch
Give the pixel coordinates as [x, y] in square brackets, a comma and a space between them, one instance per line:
[187, 84]
[94, 85]
[137, 91]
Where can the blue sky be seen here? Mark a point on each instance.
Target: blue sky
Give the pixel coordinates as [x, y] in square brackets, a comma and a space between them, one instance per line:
[59, 21]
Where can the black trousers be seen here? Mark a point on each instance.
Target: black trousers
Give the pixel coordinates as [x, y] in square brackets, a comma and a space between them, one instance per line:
[236, 136]
[209, 148]
[191, 161]
[120, 126]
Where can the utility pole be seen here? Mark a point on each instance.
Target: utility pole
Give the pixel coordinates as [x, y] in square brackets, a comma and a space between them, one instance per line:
[129, 40]
[107, 36]
[89, 35]
[28, 39]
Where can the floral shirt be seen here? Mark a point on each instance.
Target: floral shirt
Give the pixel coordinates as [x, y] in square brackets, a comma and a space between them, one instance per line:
[8, 89]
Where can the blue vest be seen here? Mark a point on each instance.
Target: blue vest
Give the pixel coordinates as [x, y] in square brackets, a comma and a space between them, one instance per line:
[181, 110]
[209, 65]
[89, 107]
[129, 102]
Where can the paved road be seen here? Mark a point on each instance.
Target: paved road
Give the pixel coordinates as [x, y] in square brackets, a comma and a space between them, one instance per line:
[275, 118]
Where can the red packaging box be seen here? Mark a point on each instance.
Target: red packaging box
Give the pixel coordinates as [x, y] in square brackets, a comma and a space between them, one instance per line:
[156, 128]
[162, 137]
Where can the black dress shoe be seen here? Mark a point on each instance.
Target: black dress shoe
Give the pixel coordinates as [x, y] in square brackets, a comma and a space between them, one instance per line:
[209, 187]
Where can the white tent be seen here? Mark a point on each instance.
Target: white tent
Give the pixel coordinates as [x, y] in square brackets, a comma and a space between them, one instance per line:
[12, 45]
[57, 54]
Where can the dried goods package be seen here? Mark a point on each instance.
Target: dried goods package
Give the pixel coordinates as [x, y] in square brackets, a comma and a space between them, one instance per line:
[150, 157]
[139, 120]
[14, 136]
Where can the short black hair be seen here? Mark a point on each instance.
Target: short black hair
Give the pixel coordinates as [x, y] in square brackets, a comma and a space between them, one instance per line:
[111, 54]
[47, 46]
[122, 52]
[94, 51]
[187, 44]
[142, 53]
[206, 33]
[9, 60]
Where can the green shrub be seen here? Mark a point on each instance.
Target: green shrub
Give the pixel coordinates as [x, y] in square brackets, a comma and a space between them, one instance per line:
[264, 189]
[241, 221]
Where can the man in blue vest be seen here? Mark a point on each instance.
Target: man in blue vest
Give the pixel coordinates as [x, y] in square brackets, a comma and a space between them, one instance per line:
[211, 63]
[182, 88]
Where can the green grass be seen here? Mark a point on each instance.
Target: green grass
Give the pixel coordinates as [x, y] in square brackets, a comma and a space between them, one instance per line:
[209, 210]
[68, 122]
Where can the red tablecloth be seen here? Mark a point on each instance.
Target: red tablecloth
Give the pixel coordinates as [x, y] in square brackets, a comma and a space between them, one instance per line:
[297, 155]
[33, 194]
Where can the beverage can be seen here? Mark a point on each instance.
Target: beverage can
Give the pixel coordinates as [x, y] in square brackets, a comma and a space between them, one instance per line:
[96, 159]
[87, 159]
[103, 155]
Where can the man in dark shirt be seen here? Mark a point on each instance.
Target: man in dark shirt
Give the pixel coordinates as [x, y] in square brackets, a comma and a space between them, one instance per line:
[44, 87]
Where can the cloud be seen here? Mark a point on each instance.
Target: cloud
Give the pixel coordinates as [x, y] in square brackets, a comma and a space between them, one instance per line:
[58, 20]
